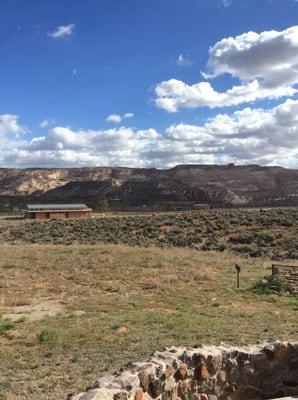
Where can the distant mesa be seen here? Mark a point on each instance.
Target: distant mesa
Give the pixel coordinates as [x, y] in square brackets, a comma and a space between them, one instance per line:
[184, 186]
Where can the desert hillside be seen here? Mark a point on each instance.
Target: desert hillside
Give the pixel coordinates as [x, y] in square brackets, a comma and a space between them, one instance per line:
[218, 185]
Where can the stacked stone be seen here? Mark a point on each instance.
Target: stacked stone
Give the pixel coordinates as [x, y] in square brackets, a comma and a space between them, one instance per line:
[265, 371]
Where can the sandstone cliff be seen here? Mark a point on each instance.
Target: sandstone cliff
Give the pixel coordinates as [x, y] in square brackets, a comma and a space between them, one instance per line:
[218, 185]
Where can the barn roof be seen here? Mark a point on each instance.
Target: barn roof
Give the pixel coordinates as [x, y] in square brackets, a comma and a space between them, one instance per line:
[32, 207]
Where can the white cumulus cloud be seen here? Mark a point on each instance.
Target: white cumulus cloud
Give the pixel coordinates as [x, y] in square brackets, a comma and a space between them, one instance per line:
[62, 31]
[270, 56]
[128, 115]
[173, 95]
[44, 124]
[265, 64]
[9, 126]
[114, 119]
[267, 137]
[117, 119]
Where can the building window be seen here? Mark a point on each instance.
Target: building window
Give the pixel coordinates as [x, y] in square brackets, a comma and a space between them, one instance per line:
[48, 215]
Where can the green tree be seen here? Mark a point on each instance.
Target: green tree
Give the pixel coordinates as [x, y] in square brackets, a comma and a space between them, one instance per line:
[102, 206]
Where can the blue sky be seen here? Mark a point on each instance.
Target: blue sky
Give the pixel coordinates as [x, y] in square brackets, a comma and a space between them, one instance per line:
[66, 66]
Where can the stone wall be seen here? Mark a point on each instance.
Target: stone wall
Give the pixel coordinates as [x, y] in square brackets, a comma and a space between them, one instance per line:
[264, 371]
[288, 274]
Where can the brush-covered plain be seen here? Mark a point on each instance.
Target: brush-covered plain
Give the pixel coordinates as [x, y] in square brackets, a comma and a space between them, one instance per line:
[255, 232]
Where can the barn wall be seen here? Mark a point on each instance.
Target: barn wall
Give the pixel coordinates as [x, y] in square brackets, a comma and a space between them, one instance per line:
[61, 215]
[57, 215]
[40, 215]
[78, 214]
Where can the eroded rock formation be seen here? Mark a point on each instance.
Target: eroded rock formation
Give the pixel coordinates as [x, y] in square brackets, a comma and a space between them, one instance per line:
[265, 371]
[226, 185]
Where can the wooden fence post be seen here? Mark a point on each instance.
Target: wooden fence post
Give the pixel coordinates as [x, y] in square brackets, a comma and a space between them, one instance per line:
[238, 270]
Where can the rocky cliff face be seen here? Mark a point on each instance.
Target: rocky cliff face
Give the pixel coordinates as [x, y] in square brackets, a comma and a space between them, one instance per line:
[265, 371]
[224, 185]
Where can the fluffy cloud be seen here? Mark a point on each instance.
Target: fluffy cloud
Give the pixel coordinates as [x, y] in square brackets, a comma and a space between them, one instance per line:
[11, 136]
[114, 119]
[62, 31]
[183, 61]
[9, 126]
[271, 57]
[174, 94]
[266, 64]
[65, 147]
[117, 119]
[46, 123]
[128, 115]
[247, 136]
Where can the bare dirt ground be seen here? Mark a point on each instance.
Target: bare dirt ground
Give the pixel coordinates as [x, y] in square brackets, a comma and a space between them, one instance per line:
[33, 312]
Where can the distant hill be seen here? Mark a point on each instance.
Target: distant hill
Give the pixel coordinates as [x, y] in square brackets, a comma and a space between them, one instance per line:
[229, 185]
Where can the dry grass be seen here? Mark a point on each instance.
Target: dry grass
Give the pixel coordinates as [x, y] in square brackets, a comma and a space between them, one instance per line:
[121, 303]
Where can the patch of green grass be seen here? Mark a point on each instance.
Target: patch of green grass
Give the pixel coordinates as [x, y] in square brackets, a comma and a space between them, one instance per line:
[47, 336]
[5, 326]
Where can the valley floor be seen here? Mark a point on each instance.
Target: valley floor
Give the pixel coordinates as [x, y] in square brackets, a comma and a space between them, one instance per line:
[77, 312]
[270, 233]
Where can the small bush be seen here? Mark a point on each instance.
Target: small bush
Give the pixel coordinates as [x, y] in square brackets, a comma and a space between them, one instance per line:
[241, 239]
[265, 237]
[47, 336]
[271, 284]
[5, 326]
[221, 247]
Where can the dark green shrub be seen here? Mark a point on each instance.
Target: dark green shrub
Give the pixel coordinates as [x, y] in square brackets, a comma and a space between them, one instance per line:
[270, 284]
[256, 252]
[221, 247]
[102, 206]
[5, 326]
